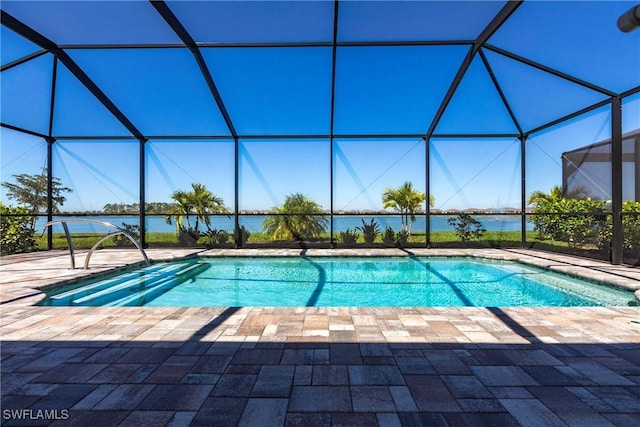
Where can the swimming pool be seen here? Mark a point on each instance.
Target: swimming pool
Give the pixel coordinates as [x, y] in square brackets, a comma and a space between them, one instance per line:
[337, 281]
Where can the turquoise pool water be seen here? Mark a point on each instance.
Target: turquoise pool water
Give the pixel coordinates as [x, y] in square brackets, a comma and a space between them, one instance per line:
[363, 281]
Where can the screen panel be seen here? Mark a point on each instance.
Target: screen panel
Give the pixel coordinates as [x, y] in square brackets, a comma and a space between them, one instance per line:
[414, 20]
[545, 150]
[78, 113]
[538, 97]
[13, 46]
[631, 113]
[270, 170]
[584, 38]
[26, 94]
[20, 154]
[202, 170]
[99, 173]
[476, 183]
[284, 190]
[256, 21]
[174, 165]
[267, 91]
[481, 175]
[365, 168]
[392, 90]
[476, 106]
[568, 209]
[85, 22]
[173, 102]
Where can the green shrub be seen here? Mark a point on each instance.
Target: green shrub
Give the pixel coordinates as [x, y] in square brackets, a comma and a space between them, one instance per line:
[16, 234]
[467, 227]
[630, 230]
[369, 231]
[348, 237]
[389, 236]
[188, 237]
[401, 238]
[122, 240]
[631, 226]
[217, 237]
[575, 221]
[241, 235]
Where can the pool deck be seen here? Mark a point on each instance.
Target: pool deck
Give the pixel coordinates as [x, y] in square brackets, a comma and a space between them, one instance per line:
[306, 366]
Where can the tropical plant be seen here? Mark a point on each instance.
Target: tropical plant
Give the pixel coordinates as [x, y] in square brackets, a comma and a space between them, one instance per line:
[631, 226]
[181, 211]
[544, 224]
[389, 236]
[348, 237]
[16, 235]
[539, 197]
[217, 237]
[407, 201]
[298, 218]
[467, 227]
[241, 235]
[133, 229]
[206, 203]
[369, 231]
[402, 238]
[196, 204]
[557, 193]
[572, 220]
[630, 230]
[31, 192]
[183, 208]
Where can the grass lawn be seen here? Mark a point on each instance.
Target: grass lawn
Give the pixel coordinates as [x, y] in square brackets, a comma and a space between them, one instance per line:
[87, 240]
[439, 239]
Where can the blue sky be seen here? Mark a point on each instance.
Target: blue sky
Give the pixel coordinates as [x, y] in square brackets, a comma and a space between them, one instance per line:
[287, 91]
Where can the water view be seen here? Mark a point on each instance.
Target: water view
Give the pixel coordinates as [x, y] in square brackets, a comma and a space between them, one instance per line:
[253, 223]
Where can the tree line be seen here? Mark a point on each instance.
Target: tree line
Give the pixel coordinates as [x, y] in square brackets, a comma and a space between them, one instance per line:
[133, 208]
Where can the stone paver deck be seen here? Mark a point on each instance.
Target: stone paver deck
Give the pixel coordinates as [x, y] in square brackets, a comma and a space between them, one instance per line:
[312, 366]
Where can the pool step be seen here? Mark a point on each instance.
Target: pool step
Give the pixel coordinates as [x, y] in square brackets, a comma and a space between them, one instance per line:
[110, 282]
[156, 288]
[128, 286]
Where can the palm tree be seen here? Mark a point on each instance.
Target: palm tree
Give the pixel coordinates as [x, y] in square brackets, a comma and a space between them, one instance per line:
[205, 203]
[181, 211]
[406, 200]
[539, 197]
[201, 203]
[298, 218]
[556, 193]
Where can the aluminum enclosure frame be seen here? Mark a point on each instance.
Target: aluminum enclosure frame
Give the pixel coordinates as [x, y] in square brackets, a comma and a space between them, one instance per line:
[476, 48]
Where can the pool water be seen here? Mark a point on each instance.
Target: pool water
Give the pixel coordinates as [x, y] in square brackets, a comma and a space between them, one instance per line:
[337, 281]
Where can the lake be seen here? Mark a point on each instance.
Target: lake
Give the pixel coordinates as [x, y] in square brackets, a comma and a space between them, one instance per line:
[253, 223]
